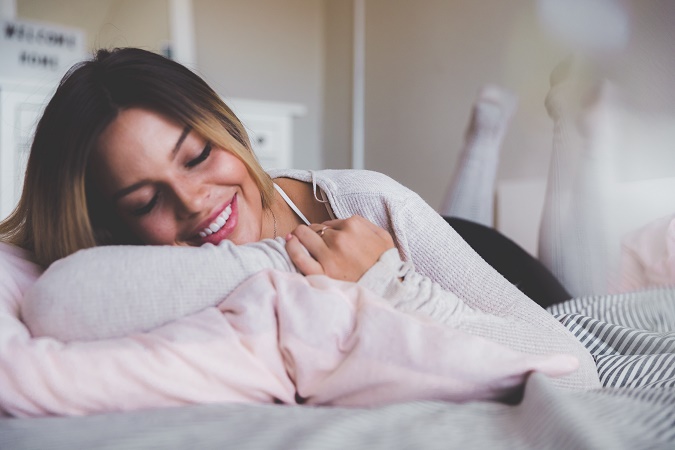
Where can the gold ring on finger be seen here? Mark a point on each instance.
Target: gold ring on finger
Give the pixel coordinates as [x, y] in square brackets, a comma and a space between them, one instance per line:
[322, 231]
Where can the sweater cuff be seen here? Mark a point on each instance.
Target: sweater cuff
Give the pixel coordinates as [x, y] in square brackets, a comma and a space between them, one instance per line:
[384, 277]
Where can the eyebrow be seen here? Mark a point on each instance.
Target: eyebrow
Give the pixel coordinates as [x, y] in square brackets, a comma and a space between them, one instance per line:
[180, 140]
[129, 189]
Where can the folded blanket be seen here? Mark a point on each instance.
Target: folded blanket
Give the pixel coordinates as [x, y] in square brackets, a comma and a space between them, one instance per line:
[279, 337]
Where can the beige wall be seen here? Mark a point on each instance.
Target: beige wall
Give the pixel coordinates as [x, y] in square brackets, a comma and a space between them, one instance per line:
[267, 50]
[107, 23]
[426, 60]
[337, 117]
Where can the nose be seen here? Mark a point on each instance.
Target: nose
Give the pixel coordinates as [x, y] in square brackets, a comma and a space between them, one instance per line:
[190, 198]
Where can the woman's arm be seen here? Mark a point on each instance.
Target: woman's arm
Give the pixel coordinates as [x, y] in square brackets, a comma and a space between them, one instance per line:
[413, 293]
[113, 291]
[439, 253]
[356, 249]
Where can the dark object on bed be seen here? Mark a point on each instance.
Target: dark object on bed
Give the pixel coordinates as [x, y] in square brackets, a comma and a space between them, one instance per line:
[509, 259]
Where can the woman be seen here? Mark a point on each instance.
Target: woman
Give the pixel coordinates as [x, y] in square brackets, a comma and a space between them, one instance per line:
[82, 135]
[136, 149]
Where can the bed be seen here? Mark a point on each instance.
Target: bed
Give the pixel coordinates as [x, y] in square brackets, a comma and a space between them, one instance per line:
[629, 335]
[639, 412]
[546, 418]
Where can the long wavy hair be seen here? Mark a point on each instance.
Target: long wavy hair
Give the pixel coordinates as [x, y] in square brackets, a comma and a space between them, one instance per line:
[60, 211]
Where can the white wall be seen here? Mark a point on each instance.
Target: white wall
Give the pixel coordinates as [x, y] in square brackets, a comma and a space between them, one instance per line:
[645, 74]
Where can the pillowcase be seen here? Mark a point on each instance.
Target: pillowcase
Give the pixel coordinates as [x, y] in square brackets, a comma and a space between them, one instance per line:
[17, 274]
[648, 256]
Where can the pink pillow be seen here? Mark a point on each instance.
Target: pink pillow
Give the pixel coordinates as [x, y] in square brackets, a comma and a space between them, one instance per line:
[648, 256]
[17, 273]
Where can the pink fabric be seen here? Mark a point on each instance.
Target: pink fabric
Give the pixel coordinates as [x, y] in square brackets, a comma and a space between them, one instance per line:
[333, 343]
[648, 256]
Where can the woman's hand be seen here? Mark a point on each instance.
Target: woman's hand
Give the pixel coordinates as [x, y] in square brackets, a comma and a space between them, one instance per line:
[342, 249]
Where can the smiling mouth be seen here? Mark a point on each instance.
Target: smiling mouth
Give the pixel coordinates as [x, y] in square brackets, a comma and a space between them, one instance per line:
[218, 223]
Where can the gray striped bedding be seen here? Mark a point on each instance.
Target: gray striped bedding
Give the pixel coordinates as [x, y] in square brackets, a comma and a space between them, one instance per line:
[630, 336]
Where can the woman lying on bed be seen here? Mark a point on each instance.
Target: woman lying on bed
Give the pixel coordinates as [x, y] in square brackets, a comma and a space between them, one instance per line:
[135, 149]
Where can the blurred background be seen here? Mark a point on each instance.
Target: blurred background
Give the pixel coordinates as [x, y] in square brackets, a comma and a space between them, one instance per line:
[388, 84]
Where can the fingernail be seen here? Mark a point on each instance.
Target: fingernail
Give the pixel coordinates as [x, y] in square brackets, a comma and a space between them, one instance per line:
[289, 236]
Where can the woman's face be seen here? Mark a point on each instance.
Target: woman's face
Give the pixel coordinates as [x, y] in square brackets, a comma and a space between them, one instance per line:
[170, 187]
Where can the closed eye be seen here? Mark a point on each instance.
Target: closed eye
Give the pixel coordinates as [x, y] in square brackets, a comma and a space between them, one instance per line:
[147, 208]
[201, 158]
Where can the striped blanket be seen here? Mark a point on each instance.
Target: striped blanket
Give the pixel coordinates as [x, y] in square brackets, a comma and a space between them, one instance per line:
[631, 336]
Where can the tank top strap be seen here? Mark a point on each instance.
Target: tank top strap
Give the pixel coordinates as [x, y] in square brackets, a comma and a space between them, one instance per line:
[290, 203]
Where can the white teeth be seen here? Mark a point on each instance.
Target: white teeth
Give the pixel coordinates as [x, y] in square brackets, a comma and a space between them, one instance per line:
[217, 224]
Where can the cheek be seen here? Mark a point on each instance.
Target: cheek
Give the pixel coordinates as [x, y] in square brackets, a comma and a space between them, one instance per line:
[157, 229]
[228, 166]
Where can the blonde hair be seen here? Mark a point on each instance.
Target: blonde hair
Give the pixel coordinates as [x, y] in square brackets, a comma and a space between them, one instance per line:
[60, 210]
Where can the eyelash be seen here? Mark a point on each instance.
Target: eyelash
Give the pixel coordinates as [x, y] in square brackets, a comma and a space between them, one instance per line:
[201, 158]
[147, 208]
[193, 163]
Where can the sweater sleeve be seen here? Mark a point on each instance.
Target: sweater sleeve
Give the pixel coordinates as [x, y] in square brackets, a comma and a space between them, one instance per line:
[107, 292]
[423, 238]
[408, 291]
[438, 252]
